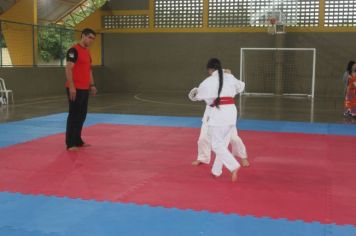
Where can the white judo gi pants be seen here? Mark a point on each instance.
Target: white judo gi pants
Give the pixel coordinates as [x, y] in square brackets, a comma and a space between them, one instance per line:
[204, 144]
[220, 138]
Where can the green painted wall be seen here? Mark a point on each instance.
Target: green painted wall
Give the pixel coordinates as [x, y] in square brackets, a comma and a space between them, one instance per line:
[35, 82]
[159, 62]
[176, 61]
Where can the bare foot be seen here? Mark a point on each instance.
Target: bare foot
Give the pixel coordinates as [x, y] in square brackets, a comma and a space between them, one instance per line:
[71, 149]
[245, 162]
[214, 176]
[196, 163]
[234, 175]
[85, 145]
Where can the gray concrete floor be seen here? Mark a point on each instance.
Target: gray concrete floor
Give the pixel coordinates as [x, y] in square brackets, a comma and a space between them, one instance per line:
[329, 110]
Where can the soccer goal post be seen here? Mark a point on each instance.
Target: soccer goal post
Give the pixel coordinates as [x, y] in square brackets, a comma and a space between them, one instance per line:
[278, 71]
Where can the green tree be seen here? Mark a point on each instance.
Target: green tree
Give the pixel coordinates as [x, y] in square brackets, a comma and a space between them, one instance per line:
[53, 41]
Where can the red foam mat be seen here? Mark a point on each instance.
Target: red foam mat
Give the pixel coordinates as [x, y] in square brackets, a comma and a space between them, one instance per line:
[294, 176]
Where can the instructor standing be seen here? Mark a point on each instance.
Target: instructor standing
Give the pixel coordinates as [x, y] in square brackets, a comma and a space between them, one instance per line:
[79, 82]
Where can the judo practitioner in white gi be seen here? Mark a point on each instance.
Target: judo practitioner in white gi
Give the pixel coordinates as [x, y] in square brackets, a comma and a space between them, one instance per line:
[218, 91]
[204, 141]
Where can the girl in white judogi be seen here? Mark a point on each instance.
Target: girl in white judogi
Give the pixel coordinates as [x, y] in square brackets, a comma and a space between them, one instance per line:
[218, 91]
[204, 141]
[204, 144]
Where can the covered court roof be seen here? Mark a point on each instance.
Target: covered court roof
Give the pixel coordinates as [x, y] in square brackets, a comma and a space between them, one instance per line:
[6, 4]
[59, 11]
[51, 10]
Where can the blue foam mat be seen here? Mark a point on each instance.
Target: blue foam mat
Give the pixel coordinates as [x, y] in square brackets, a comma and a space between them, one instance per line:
[28, 215]
[43, 215]
[26, 130]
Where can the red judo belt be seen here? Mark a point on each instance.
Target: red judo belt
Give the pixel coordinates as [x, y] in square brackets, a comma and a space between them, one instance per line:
[224, 101]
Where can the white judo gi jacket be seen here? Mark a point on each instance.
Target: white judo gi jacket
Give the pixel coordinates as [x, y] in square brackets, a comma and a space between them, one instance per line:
[208, 91]
[221, 120]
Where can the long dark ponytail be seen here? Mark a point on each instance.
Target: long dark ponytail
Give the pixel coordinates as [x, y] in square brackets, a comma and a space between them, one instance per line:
[215, 64]
[349, 66]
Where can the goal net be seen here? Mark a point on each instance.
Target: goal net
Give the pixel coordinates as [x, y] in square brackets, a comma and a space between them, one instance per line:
[278, 71]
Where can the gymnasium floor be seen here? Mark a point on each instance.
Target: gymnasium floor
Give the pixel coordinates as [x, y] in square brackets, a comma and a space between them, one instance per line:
[136, 178]
[326, 110]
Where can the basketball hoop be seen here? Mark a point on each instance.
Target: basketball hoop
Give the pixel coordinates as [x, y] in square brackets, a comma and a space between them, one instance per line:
[274, 26]
[271, 22]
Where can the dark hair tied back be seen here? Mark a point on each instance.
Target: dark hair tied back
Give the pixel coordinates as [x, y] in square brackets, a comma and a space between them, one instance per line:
[349, 66]
[215, 64]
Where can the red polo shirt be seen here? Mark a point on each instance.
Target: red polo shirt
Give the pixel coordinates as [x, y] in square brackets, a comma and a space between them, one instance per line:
[80, 56]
